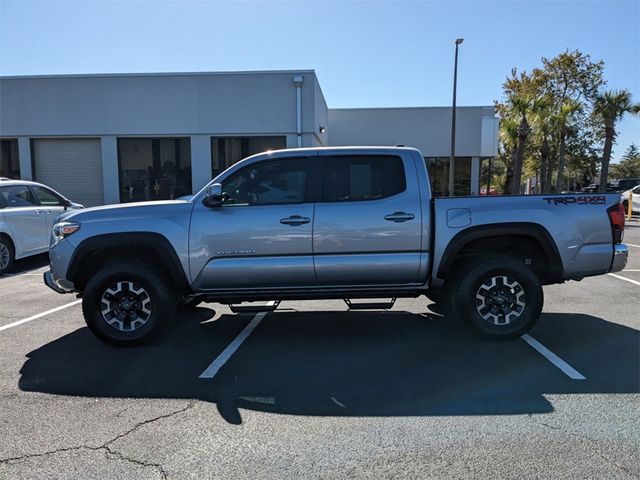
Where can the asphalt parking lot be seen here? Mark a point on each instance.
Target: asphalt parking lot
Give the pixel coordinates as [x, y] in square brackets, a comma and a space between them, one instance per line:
[315, 391]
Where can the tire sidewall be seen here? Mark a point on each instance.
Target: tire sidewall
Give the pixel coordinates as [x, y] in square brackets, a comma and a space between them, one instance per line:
[464, 297]
[156, 287]
[12, 253]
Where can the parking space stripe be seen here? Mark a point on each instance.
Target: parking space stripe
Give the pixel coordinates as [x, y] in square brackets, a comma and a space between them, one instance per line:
[632, 245]
[635, 282]
[567, 369]
[212, 370]
[39, 315]
[22, 274]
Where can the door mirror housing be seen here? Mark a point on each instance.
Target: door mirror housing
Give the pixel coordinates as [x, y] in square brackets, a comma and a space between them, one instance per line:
[213, 197]
[66, 203]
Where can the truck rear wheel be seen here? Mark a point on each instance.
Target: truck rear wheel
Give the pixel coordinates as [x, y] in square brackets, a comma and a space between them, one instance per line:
[498, 298]
[127, 303]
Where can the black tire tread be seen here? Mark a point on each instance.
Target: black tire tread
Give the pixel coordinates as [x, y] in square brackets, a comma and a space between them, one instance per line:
[463, 295]
[165, 293]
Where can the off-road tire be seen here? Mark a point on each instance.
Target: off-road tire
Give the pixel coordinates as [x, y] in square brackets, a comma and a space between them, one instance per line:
[159, 298]
[481, 305]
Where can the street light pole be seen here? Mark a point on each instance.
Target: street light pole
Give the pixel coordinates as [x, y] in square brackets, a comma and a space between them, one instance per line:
[453, 120]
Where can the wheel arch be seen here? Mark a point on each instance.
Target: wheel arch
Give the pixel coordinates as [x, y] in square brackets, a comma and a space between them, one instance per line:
[485, 235]
[7, 235]
[94, 251]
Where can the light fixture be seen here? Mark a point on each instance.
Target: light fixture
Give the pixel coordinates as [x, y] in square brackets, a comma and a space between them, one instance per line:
[459, 41]
[322, 129]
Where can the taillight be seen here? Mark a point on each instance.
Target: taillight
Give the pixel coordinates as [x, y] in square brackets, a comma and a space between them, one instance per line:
[616, 217]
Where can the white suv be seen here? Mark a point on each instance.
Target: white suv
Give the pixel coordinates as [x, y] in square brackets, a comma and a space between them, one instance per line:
[635, 200]
[28, 211]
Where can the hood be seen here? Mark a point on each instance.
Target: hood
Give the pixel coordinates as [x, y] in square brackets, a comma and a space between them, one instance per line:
[124, 210]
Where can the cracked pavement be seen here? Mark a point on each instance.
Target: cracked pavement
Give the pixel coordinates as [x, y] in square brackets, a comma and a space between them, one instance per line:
[317, 392]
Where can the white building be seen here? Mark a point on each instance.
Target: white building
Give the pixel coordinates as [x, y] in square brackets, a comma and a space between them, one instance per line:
[110, 138]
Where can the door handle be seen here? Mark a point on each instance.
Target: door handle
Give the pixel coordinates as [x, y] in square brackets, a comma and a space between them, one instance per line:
[38, 212]
[399, 217]
[295, 220]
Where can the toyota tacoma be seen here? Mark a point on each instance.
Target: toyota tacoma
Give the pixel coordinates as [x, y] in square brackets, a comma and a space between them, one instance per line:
[348, 223]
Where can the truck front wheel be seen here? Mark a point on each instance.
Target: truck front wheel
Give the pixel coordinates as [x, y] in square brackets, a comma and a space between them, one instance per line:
[498, 298]
[128, 303]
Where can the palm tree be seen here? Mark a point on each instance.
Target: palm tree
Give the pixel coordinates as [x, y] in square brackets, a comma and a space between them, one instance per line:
[509, 142]
[567, 110]
[542, 123]
[524, 104]
[521, 105]
[609, 107]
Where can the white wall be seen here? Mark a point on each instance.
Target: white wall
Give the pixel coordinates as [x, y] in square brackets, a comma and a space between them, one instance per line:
[426, 128]
[157, 104]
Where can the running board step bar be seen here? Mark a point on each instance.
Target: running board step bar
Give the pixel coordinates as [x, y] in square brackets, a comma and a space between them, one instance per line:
[370, 305]
[270, 307]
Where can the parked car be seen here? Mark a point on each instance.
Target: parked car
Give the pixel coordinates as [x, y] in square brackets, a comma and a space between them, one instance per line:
[634, 193]
[28, 211]
[592, 188]
[341, 223]
[625, 184]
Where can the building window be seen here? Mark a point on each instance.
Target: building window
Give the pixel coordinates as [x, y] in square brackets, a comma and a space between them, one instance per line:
[9, 160]
[438, 168]
[154, 168]
[225, 151]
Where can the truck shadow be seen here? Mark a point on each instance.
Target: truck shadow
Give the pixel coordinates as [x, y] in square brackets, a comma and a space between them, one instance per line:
[345, 364]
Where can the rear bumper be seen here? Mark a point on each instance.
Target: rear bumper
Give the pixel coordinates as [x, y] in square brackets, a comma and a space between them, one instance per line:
[60, 286]
[620, 254]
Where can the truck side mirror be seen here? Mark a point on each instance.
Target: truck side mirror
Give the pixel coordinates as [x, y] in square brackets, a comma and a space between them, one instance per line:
[213, 197]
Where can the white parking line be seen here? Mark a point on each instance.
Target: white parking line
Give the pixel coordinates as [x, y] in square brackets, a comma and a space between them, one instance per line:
[635, 282]
[212, 370]
[632, 245]
[31, 272]
[39, 315]
[567, 369]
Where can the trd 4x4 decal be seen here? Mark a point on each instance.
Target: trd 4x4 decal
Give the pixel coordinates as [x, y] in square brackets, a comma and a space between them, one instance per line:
[581, 200]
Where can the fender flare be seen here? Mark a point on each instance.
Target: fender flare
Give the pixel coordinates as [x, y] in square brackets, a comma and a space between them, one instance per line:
[157, 242]
[527, 229]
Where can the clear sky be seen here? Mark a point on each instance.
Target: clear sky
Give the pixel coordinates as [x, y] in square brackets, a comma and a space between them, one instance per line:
[366, 53]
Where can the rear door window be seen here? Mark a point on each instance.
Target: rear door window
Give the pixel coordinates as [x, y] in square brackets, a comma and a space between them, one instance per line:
[362, 178]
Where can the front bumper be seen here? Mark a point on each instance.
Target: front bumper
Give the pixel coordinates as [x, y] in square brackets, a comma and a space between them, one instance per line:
[60, 286]
[620, 254]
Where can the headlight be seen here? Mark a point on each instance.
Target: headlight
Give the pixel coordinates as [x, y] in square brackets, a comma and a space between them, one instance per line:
[64, 229]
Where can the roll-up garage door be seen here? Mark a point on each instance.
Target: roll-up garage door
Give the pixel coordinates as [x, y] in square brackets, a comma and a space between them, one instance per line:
[72, 166]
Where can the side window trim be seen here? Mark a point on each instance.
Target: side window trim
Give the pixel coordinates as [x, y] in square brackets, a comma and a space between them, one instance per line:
[35, 197]
[310, 187]
[322, 170]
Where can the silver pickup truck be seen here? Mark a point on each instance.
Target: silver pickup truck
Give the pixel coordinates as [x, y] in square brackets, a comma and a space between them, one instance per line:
[331, 223]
